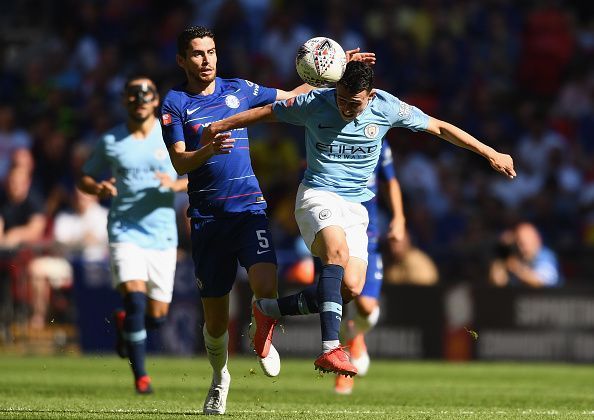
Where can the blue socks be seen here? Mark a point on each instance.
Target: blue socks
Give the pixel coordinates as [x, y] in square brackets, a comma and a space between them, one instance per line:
[330, 304]
[134, 331]
[153, 323]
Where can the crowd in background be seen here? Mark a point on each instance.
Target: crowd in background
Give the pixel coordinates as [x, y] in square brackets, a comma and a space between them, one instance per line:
[517, 75]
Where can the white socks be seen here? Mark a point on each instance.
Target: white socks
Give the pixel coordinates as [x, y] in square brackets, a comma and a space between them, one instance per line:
[216, 349]
[359, 325]
[329, 345]
[364, 324]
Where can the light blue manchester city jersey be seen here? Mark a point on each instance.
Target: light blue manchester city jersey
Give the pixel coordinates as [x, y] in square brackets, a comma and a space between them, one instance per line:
[341, 155]
[142, 213]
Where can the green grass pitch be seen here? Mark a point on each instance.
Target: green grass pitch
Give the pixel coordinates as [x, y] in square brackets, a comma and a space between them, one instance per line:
[94, 387]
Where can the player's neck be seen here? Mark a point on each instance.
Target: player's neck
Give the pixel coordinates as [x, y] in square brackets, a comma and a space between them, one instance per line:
[196, 87]
[141, 129]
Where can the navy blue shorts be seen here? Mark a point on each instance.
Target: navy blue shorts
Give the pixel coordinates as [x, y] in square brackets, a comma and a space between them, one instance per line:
[374, 276]
[218, 244]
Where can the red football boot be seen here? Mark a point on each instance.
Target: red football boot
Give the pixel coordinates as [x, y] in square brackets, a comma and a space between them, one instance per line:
[336, 361]
[264, 330]
[143, 385]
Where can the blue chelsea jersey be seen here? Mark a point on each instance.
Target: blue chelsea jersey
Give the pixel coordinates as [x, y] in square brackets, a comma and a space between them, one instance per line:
[142, 213]
[341, 155]
[384, 172]
[225, 184]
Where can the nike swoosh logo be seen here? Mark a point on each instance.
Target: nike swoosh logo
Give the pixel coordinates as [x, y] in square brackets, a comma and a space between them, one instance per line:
[191, 111]
[262, 252]
[320, 126]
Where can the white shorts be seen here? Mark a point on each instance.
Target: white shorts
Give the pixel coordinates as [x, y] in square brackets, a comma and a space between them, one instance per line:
[154, 266]
[316, 209]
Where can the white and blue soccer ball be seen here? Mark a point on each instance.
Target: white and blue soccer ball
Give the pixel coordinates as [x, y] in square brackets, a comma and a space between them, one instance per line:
[320, 61]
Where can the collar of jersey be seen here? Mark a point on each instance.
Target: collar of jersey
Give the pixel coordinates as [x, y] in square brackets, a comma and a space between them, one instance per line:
[218, 89]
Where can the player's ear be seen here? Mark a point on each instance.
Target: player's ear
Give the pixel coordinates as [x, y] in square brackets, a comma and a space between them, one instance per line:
[372, 93]
[181, 61]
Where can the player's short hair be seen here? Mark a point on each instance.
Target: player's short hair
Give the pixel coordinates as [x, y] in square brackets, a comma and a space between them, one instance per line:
[188, 34]
[134, 77]
[357, 76]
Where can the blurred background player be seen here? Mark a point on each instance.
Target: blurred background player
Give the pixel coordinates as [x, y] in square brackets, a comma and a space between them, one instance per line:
[22, 220]
[228, 210]
[523, 260]
[22, 223]
[404, 263]
[344, 127]
[367, 310]
[142, 227]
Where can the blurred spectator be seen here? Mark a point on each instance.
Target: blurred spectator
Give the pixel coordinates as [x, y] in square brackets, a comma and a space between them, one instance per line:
[281, 42]
[22, 220]
[80, 232]
[406, 264]
[547, 47]
[11, 138]
[540, 140]
[522, 259]
[338, 28]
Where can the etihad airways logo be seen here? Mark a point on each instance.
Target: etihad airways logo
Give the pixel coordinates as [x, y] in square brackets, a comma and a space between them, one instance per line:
[346, 151]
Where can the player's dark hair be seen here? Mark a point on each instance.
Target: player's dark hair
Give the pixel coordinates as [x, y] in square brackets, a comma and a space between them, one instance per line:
[193, 32]
[139, 76]
[358, 76]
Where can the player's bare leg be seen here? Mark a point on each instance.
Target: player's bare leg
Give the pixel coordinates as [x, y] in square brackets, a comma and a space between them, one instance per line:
[216, 341]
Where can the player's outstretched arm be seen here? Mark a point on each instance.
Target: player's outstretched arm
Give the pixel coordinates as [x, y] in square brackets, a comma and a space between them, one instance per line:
[243, 119]
[184, 161]
[397, 226]
[501, 162]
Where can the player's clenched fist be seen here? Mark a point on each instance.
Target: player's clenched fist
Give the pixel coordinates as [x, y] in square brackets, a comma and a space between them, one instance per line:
[107, 189]
[504, 164]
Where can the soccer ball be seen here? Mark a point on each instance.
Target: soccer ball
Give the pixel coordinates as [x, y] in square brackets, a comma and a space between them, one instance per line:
[320, 61]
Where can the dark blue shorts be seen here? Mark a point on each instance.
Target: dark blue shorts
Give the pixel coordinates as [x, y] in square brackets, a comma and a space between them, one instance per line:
[218, 244]
[374, 276]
